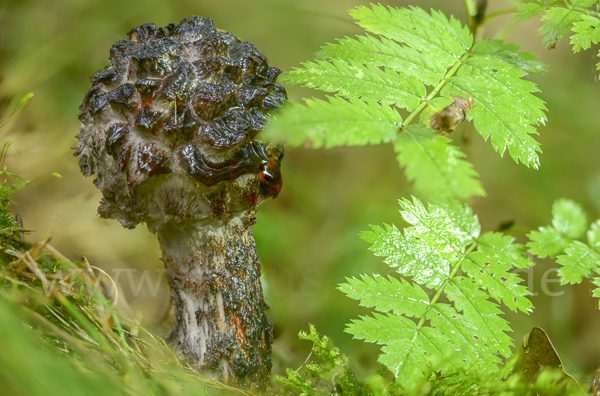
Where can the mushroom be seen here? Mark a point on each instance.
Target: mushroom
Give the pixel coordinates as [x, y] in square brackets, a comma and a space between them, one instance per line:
[169, 129]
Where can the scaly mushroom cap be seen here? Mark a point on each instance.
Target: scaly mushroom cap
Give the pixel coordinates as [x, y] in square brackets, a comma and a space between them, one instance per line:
[168, 128]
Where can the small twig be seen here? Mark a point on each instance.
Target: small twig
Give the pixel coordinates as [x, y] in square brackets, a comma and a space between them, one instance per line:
[58, 255]
[335, 375]
[33, 267]
[34, 252]
[87, 263]
[307, 359]
[113, 294]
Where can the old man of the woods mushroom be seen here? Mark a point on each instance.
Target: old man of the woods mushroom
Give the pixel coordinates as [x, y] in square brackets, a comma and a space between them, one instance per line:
[168, 130]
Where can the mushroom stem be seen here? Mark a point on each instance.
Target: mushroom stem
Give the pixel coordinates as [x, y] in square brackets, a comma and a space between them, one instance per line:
[220, 320]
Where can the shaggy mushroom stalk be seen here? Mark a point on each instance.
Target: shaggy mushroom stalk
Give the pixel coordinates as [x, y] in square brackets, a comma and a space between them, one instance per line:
[169, 132]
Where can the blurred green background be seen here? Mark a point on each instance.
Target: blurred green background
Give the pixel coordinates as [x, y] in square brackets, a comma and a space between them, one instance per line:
[308, 237]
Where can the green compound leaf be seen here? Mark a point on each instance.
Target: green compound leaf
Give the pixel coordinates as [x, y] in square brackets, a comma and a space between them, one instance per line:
[484, 314]
[583, 3]
[412, 50]
[502, 248]
[562, 17]
[436, 167]
[510, 54]
[438, 236]
[568, 223]
[448, 226]
[336, 122]
[547, 242]
[593, 235]
[387, 294]
[445, 40]
[408, 350]
[464, 333]
[578, 262]
[568, 218]
[587, 32]
[421, 334]
[489, 266]
[384, 52]
[353, 79]
[412, 258]
[558, 21]
[527, 11]
[596, 291]
[505, 110]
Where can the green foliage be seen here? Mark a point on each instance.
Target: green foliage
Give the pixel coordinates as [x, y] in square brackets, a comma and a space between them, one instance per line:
[24, 357]
[491, 264]
[444, 250]
[425, 155]
[528, 10]
[8, 223]
[568, 222]
[6, 190]
[505, 382]
[416, 61]
[568, 218]
[562, 17]
[578, 262]
[328, 374]
[586, 32]
[337, 122]
[387, 87]
[505, 108]
[546, 242]
[557, 22]
[563, 241]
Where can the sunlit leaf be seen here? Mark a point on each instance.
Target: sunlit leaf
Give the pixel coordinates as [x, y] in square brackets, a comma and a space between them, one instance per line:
[547, 242]
[505, 109]
[437, 167]
[587, 32]
[336, 122]
[352, 79]
[568, 222]
[387, 70]
[527, 11]
[557, 20]
[387, 294]
[593, 235]
[420, 333]
[578, 262]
